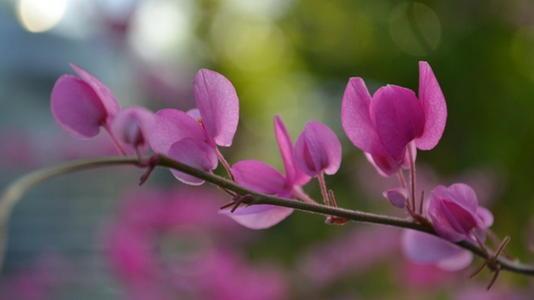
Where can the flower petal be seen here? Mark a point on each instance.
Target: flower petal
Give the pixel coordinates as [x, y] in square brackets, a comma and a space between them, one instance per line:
[294, 175]
[383, 163]
[258, 216]
[457, 262]
[450, 219]
[194, 153]
[397, 196]
[486, 217]
[398, 118]
[76, 107]
[424, 248]
[132, 125]
[464, 195]
[171, 126]
[317, 150]
[218, 104]
[260, 177]
[104, 93]
[434, 107]
[355, 117]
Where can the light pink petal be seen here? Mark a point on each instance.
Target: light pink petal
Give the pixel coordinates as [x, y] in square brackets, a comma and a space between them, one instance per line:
[450, 219]
[424, 248]
[398, 118]
[317, 150]
[486, 217]
[434, 107]
[457, 262]
[260, 177]
[104, 93]
[195, 153]
[397, 196]
[195, 114]
[355, 115]
[294, 175]
[76, 107]
[218, 104]
[132, 125]
[171, 126]
[464, 195]
[259, 216]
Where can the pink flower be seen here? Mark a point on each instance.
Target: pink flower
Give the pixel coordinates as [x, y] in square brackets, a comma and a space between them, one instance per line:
[456, 214]
[425, 249]
[82, 104]
[193, 137]
[131, 126]
[385, 124]
[317, 150]
[263, 178]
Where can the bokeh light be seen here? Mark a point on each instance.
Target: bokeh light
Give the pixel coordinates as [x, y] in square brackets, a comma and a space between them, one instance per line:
[40, 16]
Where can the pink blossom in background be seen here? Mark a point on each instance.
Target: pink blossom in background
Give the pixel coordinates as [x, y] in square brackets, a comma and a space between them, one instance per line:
[173, 244]
[475, 292]
[353, 253]
[385, 124]
[38, 281]
[425, 249]
[423, 276]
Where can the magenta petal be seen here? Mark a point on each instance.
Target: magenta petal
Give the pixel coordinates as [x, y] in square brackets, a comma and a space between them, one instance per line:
[76, 107]
[317, 150]
[218, 105]
[260, 177]
[434, 107]
[194, 153]
[464, 195]
[398, 118]
[397, 196]
[132, 125]
[171, 126]
[428, 249]
[293, 174]
[383, 163]
[104, 93]
[355, 117]
[259, 216]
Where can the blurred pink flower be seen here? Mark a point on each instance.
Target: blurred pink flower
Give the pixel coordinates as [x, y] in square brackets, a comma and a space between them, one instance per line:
[355, 252]
[39, 281]
[172, 244]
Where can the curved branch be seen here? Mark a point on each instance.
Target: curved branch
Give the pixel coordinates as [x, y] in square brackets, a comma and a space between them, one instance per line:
[16, 190]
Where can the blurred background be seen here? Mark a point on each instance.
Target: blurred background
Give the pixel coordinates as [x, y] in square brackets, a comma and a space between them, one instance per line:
[96, 235]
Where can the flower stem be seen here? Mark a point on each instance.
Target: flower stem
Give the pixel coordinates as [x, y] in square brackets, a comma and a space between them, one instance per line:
[324, 189]
[224, 163]
[14, 192]
[116, 142]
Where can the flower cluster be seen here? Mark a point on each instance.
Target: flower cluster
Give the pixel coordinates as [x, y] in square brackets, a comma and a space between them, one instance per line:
[389, 126]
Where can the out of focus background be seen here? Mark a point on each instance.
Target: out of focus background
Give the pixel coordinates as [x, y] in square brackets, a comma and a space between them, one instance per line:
[97, 235]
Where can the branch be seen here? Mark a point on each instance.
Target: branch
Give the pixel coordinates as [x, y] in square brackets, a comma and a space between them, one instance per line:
[19, 187]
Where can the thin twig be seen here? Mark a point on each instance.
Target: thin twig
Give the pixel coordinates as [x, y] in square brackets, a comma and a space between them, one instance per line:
[19, 187]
